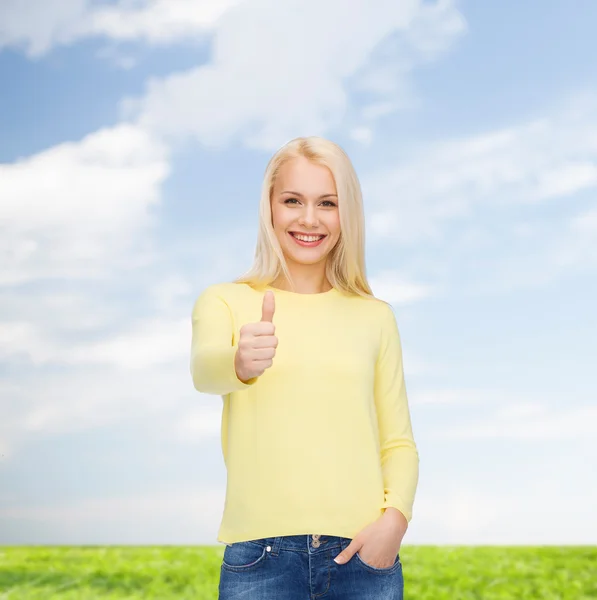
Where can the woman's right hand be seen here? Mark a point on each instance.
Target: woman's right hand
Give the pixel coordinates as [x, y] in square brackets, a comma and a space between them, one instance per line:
[257, 343]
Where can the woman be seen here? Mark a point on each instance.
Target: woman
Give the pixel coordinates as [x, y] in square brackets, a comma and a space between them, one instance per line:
[316, 433]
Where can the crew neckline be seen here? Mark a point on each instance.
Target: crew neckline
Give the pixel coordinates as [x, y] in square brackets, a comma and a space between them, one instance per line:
[292, 294]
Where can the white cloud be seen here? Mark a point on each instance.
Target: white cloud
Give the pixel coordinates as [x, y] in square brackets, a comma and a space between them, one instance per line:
[457, 397]
[445, 512]
[393, 288]
[158, 504]
[53, 403]
[189, 516]
[566, 179]
[463, 512]
[545, 159]
[530, 422]
[469, 513]
[113, 362]
[139, 374]
[112, 365]
[18, 338]
[38, 26]
[371, 112]
[156, 21]
[4, 450]
[473, 210]
[265, 85]
[585, 222]
[199, 423]
[167, 293]
[74, 209]
[146, 344]
[261, 85]
[492, 413]
[523, 410]
[36, 318]
[536, 252]
[363, 135]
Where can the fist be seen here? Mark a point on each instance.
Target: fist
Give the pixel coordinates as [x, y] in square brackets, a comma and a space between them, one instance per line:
[257, 343]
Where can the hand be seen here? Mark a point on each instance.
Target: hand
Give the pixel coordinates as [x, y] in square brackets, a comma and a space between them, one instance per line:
[257, 343]
[379, 543]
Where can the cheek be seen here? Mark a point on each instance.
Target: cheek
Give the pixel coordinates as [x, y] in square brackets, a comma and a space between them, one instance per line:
[275, 218]
[334, 225]
[280, 224]
[282, 219]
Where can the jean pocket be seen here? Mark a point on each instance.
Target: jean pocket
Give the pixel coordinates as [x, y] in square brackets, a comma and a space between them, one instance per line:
[397, 564]
[243, 556]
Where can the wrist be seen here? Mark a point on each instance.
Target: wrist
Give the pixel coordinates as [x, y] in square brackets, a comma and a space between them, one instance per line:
[239, 372]
[395, 518]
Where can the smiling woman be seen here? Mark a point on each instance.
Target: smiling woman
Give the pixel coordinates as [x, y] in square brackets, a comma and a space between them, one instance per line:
[310, 189]
[316, 430]
[306, 218]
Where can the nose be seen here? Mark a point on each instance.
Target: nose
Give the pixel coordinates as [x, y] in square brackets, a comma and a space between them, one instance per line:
[309, 217]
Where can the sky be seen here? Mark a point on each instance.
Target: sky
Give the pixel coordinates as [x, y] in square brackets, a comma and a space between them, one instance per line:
[133, 140]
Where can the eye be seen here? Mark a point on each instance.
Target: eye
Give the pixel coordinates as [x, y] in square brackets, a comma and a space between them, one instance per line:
[329, 202]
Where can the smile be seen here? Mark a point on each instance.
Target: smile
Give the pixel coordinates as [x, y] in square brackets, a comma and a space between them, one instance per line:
[309, 241]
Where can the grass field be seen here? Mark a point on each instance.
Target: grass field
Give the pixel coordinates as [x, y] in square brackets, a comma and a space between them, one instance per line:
[191, 573]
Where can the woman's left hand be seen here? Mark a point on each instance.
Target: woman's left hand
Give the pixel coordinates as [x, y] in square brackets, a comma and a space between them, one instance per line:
[379, 542]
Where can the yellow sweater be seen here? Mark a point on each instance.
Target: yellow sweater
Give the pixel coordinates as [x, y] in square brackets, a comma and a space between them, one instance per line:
[322, 441]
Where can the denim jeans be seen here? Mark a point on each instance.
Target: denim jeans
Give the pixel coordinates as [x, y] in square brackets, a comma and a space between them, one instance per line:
[302, 567]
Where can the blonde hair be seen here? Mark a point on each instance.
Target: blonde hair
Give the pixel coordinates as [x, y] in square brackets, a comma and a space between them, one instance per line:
[345, 266]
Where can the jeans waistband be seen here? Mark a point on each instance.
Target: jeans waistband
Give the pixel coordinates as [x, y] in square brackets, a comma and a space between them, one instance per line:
[303, 542]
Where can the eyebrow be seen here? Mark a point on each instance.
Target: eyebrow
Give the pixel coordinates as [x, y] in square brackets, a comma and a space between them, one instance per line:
[299, 194]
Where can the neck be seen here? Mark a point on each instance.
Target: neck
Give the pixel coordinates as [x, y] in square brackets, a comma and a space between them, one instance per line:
[304, 282]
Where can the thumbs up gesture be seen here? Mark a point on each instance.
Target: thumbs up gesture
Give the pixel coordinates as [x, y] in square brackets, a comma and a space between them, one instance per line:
[257, 343]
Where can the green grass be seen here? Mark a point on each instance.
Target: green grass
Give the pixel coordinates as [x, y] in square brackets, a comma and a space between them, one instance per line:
[430, 573]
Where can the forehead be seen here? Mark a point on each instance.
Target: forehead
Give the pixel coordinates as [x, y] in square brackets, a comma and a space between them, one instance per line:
[301, 175]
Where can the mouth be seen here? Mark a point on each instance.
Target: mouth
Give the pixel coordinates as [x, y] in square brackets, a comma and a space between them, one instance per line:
[308, 241]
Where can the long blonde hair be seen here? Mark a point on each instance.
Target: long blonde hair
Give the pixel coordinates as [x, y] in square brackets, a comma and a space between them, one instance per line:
[345, 266]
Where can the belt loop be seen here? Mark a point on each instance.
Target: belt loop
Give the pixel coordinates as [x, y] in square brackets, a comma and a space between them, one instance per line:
[276, 545]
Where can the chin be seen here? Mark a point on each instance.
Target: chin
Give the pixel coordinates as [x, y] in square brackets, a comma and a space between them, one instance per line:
[312, 260]
[309, 262]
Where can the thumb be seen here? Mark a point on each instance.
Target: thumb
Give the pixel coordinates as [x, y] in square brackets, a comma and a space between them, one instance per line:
[268, 307]
[348, 552]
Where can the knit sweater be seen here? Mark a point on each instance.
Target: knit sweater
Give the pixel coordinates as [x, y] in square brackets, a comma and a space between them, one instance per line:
[322, 441]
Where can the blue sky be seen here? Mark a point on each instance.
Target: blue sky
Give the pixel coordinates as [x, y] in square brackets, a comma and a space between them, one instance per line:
[133, 140]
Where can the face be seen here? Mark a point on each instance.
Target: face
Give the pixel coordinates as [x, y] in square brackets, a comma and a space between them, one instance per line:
[304, 201]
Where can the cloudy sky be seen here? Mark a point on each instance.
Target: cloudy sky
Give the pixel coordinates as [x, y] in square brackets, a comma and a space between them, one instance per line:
[133, 139]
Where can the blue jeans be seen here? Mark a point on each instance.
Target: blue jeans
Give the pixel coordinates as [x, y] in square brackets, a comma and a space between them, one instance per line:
[302, 567]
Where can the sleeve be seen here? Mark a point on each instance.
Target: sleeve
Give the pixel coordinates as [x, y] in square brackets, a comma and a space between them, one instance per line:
[213, 347]
[399, 455]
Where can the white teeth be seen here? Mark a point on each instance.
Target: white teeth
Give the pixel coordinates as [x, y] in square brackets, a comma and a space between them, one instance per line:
[305, 238]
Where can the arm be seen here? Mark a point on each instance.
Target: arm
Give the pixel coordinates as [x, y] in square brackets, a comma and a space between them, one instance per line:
[212, 347]
[399, 455]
